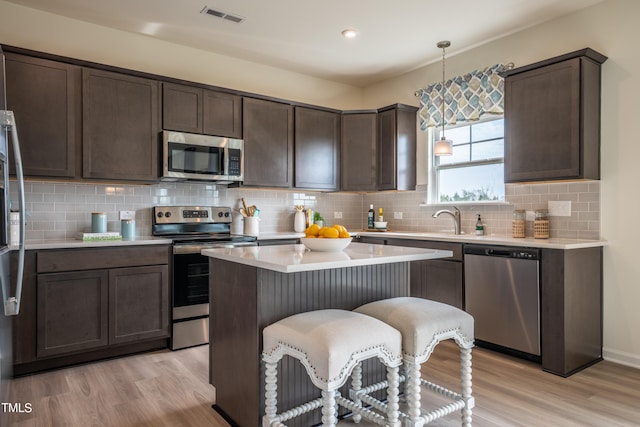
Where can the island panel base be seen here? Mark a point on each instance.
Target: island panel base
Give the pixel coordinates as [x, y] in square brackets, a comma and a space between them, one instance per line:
[246, 299]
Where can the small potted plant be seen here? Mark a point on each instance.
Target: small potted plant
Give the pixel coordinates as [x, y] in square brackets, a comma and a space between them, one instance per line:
[317, 219]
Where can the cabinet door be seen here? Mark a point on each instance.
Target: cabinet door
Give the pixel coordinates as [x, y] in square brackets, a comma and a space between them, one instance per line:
[387, 165]
[542, 123]
[222, 114]
[268, 143]
[120, 126]
[317, 145]
[45, 98]
[138, 303]
[438, 281]
[72, 312]
[358, 152]
[397, 148]
[181, 108]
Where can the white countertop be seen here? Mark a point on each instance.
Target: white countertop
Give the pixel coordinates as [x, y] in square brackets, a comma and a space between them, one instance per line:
[528, 242]
[76, 243]
[277, 235]
[295, 258]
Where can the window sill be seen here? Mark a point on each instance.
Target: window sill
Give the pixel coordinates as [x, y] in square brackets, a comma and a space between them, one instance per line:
[471, 203]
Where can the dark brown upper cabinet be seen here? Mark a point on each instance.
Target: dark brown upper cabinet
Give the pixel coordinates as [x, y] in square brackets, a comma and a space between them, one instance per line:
[192, 109]
[317, 149]
[379, 149]
[268, 143]
[359, 151]
[120, 126]
[45, 98]
[397, 147]
[552, 119]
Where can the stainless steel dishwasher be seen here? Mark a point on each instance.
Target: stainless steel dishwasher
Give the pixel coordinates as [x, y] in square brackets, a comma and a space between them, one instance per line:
[502, 293]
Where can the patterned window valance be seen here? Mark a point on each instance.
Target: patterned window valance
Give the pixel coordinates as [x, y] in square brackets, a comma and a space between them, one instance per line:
[466, 97]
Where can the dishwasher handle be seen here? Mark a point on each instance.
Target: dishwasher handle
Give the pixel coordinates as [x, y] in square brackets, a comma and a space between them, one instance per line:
[502, 251]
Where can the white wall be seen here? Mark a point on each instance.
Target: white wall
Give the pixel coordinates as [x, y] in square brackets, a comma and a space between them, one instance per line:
[612, 28]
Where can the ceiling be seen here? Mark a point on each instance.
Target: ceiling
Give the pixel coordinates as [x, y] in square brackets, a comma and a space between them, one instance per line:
[305, 36]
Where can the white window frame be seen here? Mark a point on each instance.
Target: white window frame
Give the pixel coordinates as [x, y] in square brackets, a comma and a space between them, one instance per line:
[433, 134]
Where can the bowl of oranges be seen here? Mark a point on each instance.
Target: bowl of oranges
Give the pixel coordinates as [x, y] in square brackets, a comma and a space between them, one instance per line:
[326, 239]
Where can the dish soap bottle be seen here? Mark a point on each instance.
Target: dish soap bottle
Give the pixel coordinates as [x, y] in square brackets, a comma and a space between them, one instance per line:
[380, 217]
[370, 215]
[479, 227]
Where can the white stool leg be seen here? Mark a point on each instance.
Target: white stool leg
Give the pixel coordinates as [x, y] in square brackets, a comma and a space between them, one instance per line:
[465, 381]
[329, 418]
[271, 393]
[393, 405]
[356, 385]
[412, 392]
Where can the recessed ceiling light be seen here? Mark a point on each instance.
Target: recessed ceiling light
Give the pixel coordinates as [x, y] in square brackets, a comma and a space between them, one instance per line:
[349, 33]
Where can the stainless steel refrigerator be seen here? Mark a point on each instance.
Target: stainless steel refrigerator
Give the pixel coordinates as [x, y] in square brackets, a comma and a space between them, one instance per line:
[11, 292]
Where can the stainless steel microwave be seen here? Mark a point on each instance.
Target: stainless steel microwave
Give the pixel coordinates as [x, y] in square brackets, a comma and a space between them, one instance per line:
[188, 156]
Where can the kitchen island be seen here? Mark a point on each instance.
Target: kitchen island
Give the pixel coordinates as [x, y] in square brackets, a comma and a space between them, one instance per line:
[252, 287]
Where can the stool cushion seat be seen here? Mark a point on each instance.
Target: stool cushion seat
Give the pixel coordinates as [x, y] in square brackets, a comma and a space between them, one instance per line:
[331, 342]
[423, 323]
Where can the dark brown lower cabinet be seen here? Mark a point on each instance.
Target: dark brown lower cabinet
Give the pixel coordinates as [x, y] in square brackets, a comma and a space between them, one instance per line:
[138, 303]
[438, 280]
[571, 309]
[72, 312]
[80, 305]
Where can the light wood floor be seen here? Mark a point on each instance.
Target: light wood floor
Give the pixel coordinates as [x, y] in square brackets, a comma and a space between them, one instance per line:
[170, 389]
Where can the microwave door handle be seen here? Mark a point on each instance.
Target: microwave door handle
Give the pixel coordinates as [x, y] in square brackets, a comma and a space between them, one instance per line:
[224, 161]
[7, 120]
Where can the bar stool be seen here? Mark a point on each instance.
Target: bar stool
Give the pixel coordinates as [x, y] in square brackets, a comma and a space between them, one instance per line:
[330, 344]
[423, 324]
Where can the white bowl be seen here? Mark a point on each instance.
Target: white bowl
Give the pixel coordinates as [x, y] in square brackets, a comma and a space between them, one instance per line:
[380, 224]
[326, 245]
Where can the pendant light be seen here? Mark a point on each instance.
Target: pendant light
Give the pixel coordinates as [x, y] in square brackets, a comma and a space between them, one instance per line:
[443, 147]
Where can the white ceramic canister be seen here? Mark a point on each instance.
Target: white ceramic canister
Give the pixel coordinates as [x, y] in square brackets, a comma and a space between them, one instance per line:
[251, 226]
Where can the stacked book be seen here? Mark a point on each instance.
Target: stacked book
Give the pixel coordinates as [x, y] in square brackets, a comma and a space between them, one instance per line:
[110, 235]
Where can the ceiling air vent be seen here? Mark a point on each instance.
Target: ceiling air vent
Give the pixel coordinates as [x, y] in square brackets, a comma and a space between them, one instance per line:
[222, 15]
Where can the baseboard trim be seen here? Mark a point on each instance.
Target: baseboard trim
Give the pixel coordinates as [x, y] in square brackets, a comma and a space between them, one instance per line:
[621, 357]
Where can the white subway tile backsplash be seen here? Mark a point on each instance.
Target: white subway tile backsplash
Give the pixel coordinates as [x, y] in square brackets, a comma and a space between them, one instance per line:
[60, 210]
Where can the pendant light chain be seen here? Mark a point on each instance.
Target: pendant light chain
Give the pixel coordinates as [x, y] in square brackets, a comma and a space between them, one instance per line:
[443, 45]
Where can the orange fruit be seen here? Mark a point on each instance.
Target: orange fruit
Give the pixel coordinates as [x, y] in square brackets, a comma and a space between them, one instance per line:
[331, 233]
[312, 230]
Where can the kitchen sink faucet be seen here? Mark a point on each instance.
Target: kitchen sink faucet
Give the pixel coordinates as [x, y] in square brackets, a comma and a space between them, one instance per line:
[455, 214]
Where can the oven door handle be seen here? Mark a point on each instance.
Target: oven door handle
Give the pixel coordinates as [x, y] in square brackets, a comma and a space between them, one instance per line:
[197, 248]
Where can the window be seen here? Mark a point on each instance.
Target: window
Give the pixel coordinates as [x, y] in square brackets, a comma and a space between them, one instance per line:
[475, 171]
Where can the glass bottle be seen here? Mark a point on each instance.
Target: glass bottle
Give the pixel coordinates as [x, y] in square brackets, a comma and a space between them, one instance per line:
[479, 227]
[370, 216]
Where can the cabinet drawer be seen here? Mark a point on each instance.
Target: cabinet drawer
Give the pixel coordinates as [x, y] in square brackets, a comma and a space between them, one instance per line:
[97, 258]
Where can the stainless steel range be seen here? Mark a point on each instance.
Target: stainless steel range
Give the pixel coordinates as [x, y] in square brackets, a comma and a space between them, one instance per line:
[192, 229]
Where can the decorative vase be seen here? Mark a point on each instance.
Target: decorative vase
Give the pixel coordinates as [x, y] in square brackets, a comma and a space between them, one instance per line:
[299, 221]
